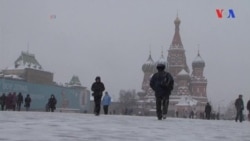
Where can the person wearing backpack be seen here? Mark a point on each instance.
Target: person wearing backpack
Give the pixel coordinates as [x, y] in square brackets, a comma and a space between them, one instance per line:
[162, 83]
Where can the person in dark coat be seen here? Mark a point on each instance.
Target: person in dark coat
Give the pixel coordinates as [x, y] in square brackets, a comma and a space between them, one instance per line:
[2, 101]
[19, 101]
[248, 108]
[8, 102]
[162, 91]
[97, 88]
[27, 102]
[52, 103]
[239, 105]
[208, 110]
[106, 101]
[14, 101]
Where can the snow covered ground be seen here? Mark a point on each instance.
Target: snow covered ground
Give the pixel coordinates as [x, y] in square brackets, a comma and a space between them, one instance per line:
[45, 126]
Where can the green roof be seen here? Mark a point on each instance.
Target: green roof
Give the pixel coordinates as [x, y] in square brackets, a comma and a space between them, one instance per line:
[75, 81]
[27, 60]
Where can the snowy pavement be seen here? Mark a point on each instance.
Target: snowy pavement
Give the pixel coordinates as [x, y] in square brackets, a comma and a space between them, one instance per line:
[45, 126]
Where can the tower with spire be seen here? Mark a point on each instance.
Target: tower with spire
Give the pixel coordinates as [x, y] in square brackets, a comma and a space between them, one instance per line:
[189, 92]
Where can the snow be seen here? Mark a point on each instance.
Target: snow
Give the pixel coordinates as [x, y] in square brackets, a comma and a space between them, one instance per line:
[46, 126]
[12, 76]
[183, 72]
[198, 59]
[187, 101]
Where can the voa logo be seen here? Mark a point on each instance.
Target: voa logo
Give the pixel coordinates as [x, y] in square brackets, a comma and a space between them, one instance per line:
[221, 13]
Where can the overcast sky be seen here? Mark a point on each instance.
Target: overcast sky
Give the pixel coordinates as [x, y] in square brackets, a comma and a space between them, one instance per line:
[112, 39]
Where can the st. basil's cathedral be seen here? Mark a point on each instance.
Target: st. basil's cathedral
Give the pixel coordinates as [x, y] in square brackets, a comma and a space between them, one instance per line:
[190, 90]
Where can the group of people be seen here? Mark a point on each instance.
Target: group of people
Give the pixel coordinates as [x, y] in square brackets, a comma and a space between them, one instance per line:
[14, 102]
[98, 89]
[161, 82]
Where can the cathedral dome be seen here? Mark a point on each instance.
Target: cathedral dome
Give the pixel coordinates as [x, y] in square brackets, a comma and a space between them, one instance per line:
[198, 62]
[161, 60]
[149, 65]
[177, 20]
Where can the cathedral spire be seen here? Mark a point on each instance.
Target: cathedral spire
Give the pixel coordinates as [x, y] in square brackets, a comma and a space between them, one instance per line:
[198, 49]
[176, 42]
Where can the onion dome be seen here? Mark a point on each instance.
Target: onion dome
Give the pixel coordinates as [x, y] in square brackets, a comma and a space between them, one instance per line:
[149, 65]
[161, 60]
[177, 20]
[198, 62]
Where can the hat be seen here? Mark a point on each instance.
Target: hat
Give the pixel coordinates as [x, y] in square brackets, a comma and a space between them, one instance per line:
[98, 77]
[160, 66]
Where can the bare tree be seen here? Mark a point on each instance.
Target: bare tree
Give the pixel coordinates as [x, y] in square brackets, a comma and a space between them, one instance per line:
[127, 101]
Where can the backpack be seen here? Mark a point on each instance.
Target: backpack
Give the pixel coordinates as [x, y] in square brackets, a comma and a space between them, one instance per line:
[164, 80]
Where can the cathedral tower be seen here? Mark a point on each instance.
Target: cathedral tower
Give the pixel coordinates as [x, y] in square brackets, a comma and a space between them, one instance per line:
[176, 53]
[198, 81]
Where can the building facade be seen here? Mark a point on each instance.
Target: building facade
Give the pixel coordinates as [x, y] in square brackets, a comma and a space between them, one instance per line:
[190, 88]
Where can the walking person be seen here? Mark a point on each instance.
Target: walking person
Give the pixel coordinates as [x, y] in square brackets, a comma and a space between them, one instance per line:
[8, 102]
[106, 101]
[2, 101]
[208, 110]
[14, 101]
[97, 88]
[162, 83]
[19, 101]
[239, 105]
[248, 108]
[52, 103]
[27, 102]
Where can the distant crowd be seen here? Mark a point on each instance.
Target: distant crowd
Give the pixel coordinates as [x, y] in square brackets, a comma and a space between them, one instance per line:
[14, 102]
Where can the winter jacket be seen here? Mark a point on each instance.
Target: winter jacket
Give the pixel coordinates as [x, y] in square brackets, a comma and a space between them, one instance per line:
[19, 98]
[27, 101]
[239, 105]
[155, 83]
[2, 99]
[106, 100]
[52, 102]
[97, 88]
[208, 108]
[248, 105]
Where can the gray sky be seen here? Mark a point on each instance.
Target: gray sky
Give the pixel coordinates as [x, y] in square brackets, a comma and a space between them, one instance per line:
[111, 38]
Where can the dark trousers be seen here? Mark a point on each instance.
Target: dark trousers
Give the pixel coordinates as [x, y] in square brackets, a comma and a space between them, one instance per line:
[19, 106]
[2, 107]
[162, 106]
[208, 115]
[97, 100]
[106, 109]
[239, 116]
